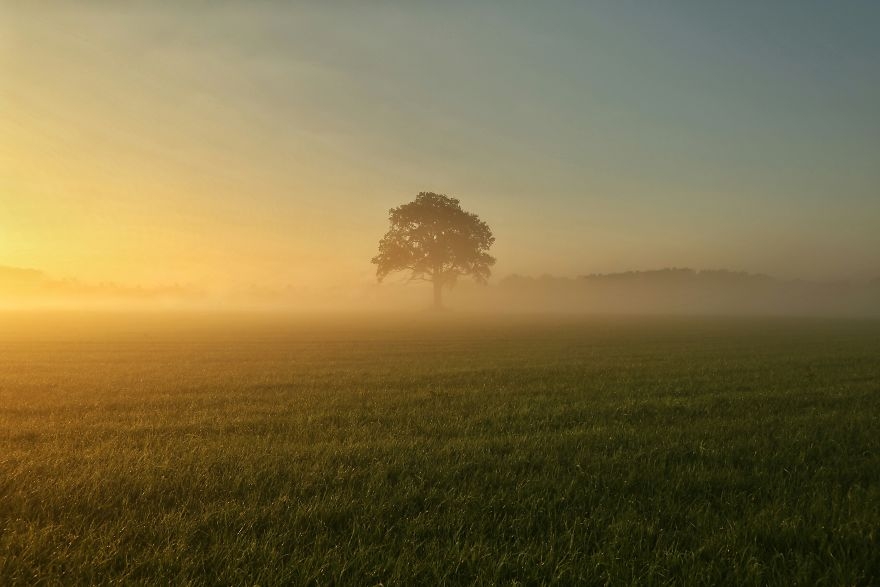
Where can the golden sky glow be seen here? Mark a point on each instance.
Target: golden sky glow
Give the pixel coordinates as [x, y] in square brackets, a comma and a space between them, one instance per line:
[264, 144]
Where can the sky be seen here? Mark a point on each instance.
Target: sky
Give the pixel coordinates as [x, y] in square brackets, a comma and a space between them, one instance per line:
[259, 142]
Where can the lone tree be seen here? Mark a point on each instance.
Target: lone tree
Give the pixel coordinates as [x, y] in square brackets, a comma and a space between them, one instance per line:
[435, 240]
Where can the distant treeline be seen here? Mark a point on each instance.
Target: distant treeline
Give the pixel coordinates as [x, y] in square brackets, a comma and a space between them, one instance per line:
[666, 291]
[31, 284]
[685, 291]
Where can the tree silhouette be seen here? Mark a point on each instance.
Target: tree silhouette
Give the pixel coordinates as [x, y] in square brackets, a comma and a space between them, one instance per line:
[435, 240]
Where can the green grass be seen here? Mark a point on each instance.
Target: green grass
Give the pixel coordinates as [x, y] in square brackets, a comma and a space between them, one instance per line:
[511, 450]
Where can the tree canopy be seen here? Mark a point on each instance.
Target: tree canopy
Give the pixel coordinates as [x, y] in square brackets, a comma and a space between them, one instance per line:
[434, 240]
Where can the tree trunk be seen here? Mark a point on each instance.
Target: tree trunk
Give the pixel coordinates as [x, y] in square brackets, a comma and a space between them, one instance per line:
[438, 292]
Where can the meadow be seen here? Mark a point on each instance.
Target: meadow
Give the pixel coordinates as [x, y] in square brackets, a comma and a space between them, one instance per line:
[245, 450]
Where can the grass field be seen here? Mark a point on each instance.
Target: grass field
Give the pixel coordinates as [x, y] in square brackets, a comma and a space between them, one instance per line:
[268, 450]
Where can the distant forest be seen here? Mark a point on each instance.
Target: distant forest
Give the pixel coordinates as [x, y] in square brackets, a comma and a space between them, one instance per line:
[678, 290]
[665, 291]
